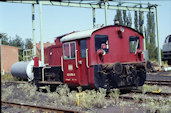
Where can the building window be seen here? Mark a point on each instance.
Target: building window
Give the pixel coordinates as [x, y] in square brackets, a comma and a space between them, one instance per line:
[102, 42]
[69, 50]
[134, 43]
[83, 47]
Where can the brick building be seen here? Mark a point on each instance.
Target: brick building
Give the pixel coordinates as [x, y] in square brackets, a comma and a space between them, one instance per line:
[9, 57]
[38, 47]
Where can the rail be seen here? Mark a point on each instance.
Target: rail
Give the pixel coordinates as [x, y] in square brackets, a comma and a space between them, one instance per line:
[156, 82]
[130, 97]
[38, 107]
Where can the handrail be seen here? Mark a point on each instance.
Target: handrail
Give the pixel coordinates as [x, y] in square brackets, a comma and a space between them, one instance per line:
[62, 68]
[43, 73]
[136, 47]
[87, 58]
[76, 62]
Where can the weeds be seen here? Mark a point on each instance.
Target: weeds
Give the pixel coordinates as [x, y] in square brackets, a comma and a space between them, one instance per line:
[100, 97]
[145, 88]
[79, 89]
[89, 98]
[136, 98]
[152, 105]
[9, 77]
[63, 90]
[72, 97]
[48, 89]
[114, 94]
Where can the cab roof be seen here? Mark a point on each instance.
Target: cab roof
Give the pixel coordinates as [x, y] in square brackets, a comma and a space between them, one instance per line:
[88, 33]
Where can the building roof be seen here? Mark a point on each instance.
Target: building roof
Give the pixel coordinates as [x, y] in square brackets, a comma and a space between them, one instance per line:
[47, 44]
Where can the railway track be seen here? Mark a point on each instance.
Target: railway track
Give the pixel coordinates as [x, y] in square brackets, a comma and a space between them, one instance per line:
[39, 108]
[149, 82]
[15, 82]
[158, 82]
[152, 93]
[131, 95]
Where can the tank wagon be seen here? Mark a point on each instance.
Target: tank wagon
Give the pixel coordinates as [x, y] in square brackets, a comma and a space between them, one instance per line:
[106, 57]
[167, 50]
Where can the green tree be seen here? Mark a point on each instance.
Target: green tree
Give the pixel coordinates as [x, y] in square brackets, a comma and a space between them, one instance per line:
[151, 43]
[118, 17]
[136, 20]
[28, 43]
[124, 18]
[17, 42]
[129, 20]
[141, 21]
[5, 40]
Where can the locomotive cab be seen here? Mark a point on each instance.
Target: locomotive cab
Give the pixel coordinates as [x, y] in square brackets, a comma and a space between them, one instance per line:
[108, 57]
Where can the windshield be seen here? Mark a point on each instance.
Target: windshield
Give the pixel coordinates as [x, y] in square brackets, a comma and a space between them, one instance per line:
[133, 44]
[102, 42]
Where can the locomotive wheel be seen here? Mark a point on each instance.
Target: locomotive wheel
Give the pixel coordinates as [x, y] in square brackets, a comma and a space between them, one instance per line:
[141, 77]
[118, 68]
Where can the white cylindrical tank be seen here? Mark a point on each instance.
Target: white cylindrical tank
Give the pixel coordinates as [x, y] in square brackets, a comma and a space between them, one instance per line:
[23, 70]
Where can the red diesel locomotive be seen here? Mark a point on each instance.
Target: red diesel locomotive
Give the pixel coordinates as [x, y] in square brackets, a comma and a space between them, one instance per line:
[107, 57]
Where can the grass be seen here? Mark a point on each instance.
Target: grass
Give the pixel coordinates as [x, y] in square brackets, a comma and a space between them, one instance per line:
[136, 98]
[114, 94]
[149, 88]
[8, 77]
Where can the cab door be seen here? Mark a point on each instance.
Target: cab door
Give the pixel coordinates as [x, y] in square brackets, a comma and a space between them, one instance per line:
[69, 63]
[82, 62]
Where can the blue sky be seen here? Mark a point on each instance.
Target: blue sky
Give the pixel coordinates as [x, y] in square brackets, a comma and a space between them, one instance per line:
[15, 19]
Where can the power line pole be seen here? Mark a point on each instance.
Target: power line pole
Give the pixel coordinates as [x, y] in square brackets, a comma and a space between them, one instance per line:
[41, 33]
[105, 4]
[33, 30]
[94, 18]
[1, 55]
[158, 42]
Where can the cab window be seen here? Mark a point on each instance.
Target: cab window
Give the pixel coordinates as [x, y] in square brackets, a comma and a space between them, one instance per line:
[134, 43]
[102, 42]
[69, 50]
[83, 47]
